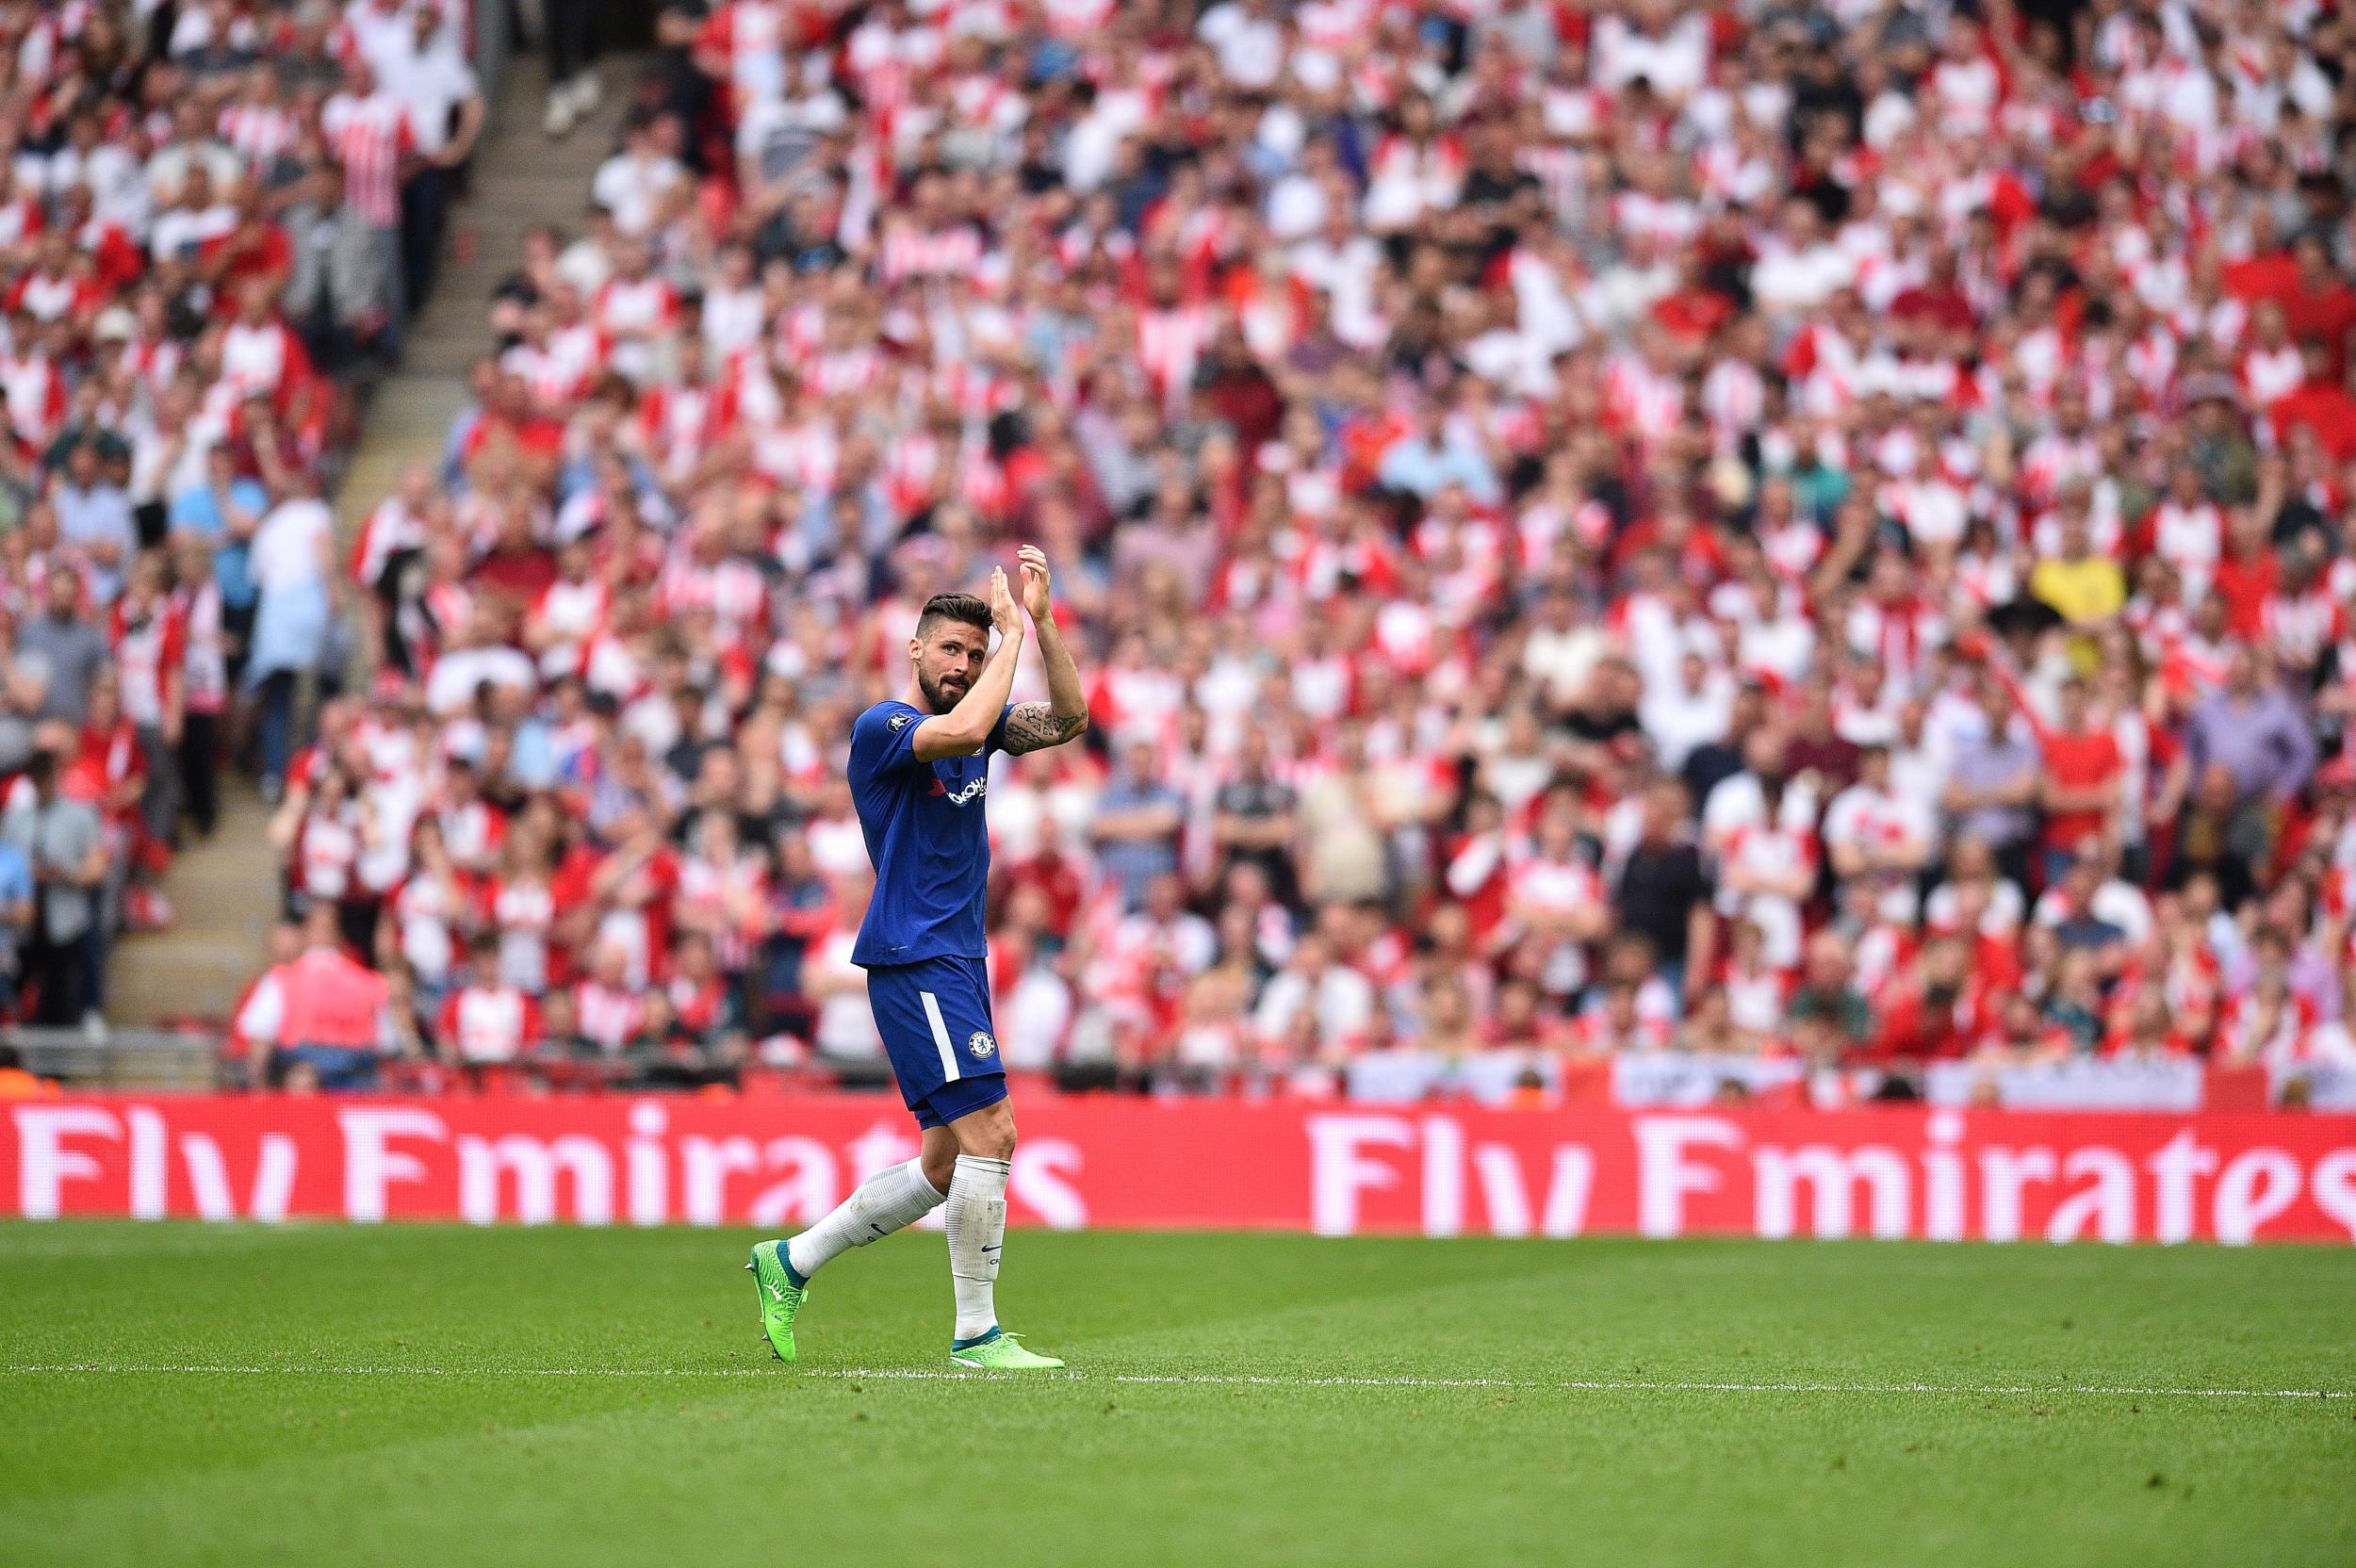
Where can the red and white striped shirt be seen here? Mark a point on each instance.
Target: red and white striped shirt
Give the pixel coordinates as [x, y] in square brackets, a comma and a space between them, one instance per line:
[913, 253]
[609, 1015]
[257, 132]
[369, 137]
[490, 1024]
[752, 37]
[261, 359]
[1168, 344]
[733, 590]
[522, 913]
[149, 646]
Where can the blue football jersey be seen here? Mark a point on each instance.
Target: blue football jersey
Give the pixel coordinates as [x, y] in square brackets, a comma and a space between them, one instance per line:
[926, 837]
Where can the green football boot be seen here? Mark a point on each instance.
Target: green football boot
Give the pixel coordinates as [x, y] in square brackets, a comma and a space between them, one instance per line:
[781, 1292]
[998, 1351]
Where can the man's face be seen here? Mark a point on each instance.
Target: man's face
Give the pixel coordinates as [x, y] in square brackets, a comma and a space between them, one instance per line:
[1252, 753]
[947, 660]
[1664, 810]
[1827, 964]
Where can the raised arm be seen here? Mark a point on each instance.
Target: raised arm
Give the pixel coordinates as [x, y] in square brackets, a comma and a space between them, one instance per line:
[964, 730]
[1064, 716]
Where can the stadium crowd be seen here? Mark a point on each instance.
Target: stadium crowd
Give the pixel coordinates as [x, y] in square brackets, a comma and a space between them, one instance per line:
[211, 211]
[1593, 527]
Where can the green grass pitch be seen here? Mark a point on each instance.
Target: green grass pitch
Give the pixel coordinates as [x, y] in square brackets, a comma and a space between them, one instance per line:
[428, 1396]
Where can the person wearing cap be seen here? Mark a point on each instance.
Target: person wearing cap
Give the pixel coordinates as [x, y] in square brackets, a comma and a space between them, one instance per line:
[2221, 448]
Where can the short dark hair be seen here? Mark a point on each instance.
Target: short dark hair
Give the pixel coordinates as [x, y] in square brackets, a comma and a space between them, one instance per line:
[968, 607]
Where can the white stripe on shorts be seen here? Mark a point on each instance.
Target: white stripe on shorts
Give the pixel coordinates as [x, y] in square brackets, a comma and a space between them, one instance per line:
[940, 1035]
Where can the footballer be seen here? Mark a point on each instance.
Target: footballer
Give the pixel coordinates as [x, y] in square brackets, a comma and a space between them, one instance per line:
[919, 774]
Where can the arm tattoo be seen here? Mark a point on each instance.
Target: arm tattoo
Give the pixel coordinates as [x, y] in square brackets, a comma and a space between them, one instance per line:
[1035, 726]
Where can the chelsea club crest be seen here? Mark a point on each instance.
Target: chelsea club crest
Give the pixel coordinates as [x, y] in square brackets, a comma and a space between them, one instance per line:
[980, 1044]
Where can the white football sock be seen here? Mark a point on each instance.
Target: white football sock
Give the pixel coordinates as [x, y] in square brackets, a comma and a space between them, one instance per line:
[896, 1196]
[977, 1229]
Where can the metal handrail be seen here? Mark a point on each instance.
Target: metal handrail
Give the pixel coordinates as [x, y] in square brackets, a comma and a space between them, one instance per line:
[120, 1058]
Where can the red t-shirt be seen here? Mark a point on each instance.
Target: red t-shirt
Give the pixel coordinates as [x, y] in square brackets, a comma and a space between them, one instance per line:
[2244, 585]
[2326, 314]
[2079, 763]
[2325, 409]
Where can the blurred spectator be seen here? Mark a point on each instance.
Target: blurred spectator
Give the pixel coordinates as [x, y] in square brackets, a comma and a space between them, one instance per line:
[1136, 824]
[62, 840]
[1590, 529]
[334, 1016]
[65, 648]
[161, 387]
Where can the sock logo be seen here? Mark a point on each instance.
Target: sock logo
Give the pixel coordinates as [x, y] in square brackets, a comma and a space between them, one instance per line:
[981, 1045]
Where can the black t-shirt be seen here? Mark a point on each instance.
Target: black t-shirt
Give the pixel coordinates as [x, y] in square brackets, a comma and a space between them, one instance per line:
[1601, 726]
[1266, 798]
[1244, 797]
[1709, 765]
[1482, 189]
[1659, 886]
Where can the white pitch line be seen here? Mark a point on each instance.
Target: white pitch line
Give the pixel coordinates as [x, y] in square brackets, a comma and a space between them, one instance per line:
[916, 1374]
[1631, 1385]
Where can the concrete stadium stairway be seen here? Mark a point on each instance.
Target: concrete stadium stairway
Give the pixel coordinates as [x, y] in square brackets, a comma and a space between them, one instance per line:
[522, 181]
[225, 892]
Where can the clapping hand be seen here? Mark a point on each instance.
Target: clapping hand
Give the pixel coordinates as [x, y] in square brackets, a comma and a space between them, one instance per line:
[1003, 613]
[1032, 563]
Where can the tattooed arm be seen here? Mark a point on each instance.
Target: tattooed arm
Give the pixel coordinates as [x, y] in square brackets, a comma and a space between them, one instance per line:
[1034, 727]
[1064, 716]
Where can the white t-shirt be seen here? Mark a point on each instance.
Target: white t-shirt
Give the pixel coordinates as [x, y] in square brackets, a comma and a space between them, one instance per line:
[452, 686]
[432, 84]
[1250, 49]
[1786, 281]
[1676, 719]
[632, 188]
[380, 35]
[289, 550]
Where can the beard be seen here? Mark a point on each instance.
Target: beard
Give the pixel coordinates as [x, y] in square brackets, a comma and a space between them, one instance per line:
[938, 698]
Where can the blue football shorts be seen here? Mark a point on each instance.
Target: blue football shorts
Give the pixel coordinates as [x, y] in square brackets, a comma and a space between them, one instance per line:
[934, 1016]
